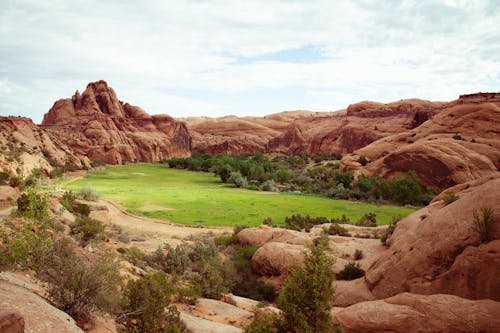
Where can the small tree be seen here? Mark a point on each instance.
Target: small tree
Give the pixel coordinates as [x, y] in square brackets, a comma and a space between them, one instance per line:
[306, 295]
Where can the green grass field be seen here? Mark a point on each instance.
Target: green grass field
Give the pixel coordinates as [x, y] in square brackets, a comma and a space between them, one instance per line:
[195, 198]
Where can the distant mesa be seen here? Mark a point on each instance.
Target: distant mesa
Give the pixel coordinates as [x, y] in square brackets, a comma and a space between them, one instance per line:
[97, 125]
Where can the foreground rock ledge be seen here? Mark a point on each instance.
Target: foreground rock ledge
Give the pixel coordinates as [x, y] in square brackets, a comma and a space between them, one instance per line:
[418, 313]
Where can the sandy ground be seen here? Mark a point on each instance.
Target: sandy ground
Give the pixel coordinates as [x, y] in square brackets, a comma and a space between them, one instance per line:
[154, 232]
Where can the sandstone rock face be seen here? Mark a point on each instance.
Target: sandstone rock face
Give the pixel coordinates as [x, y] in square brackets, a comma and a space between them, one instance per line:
[417, 313]
[201, 325]
[309, 133]
[8, 195]
[277, 258]
[25, 147]
[11, 321]
[459, 144]
[440, 252]
[97, 125]
[39, 316]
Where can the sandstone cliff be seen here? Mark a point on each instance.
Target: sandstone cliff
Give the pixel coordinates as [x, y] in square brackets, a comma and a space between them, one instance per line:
[461, 143]
[24, 147]
[97, 125]
[309, 133]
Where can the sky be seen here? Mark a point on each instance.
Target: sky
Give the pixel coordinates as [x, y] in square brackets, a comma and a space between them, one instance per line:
[216, 58]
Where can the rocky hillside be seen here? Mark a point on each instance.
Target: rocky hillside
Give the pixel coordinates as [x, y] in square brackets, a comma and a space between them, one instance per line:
[24, 147]
[459, 144]
[97, 125]
[310, 133]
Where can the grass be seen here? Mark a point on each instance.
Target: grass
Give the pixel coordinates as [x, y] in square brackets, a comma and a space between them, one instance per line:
[196, 198]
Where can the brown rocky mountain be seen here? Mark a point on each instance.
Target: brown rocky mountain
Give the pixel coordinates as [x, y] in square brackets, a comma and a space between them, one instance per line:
[97, 125]
[24, 147]
[461, 143]
[310, 133]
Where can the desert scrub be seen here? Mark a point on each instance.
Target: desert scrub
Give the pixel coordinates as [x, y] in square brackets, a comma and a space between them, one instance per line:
[449, 198]
[482, 223]
[390, 230]
[80, 286]
[87, 193]
[87, 229]
[147, 306]
[351, 271]
[33, 206]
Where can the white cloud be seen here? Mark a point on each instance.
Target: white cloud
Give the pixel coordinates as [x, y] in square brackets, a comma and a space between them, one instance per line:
[181, 57]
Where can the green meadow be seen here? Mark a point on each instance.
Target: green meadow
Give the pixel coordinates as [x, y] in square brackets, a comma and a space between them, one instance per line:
[196, 198]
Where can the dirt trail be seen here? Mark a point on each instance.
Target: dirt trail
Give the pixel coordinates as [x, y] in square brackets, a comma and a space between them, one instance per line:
[155, 232]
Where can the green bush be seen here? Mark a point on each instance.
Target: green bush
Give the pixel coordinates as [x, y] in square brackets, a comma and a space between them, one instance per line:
[351, 271]
[306, 295]
[483, 223]
[367, 220]
[80, 287]
[449, 198]
[238, 180]
[336, 229]
[390, 230]
[87, 228]
[268, 186]
[266, 324]
[147, 306]
[88, 194]
[33, 206]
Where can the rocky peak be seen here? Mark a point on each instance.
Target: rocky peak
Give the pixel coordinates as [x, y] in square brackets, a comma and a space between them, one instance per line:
[98, 125]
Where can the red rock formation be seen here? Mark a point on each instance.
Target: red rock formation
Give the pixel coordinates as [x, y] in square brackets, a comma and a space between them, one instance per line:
[96, 124]
[417, 313]
[310, 133]
[11, 321]
[437, 250]
[459, 144]
[26, 147]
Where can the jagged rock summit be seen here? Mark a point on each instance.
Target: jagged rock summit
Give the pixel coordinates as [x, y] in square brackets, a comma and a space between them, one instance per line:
[98, 125]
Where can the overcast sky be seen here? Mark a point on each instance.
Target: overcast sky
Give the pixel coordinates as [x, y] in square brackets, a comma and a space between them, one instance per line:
[214, 58]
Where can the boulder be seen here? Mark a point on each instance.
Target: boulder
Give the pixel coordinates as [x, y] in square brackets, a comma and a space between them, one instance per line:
[200, 325]
[440, 251]
[277, 258]
[11, 321]
[418, 313]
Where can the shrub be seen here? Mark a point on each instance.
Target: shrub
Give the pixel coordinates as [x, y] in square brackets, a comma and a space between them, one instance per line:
[458, 137]
[78, 286]
[16, 181]
[215, 277]
[238, 180]
[358, 254]
[336, 229]
[147, 308]
[368, 220]
[483, 223]
[268, 186]
[34, 206]
[306, 295]
[351, 271]
[265, 324]
[177, 259]
[4, 177]
[362, 160]
[283, 175]
[449, 198]
[339, 192]
[87, 228]
[299, 222]
[88, 194]
[390, 230]
[269, 221]
[344, 178]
